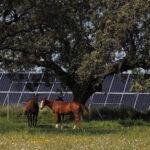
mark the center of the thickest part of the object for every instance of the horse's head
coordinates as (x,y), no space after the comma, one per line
(43,103)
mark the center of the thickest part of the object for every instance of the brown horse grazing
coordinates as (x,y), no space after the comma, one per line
(31,110)
(60,108)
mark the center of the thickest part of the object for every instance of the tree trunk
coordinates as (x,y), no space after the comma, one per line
(82,92)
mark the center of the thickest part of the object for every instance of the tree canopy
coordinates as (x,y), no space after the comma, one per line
(77,40)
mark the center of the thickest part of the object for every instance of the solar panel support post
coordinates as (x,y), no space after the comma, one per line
(124,90)
(137,96)
(149,108)
(64,93)
(23,90)
(8,107)
(109,90)
(5,101)
(1,76)
(89,108)
(99,113)
(95,107)
(39,85)
(51,89)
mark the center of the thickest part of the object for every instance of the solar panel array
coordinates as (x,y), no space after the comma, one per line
(21,86)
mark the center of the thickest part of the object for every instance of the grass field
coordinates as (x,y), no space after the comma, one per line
(94,135)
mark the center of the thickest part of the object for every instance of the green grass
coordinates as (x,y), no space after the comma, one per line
(93,135)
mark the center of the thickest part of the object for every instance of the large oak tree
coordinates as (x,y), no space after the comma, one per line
(75,39)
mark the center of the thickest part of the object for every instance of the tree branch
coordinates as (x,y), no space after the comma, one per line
(122,66)
(19,32)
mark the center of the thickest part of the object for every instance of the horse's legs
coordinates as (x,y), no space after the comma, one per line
(33,119)
(35,123)
(28,118)
(77,119)
(58,120)
(62,120)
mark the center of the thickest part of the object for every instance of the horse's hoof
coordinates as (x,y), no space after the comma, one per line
(56,126)
(74,127)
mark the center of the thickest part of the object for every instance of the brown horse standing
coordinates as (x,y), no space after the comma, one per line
(31,110)
(60,108)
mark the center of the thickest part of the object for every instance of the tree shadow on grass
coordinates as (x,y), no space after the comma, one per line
(44,126)
(132,122)
(20,127)
(81,131)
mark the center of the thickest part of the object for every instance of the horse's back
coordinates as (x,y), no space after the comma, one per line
(31,106)
(65,104)
(65,107)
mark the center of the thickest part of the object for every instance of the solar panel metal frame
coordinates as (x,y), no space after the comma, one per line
(51,92)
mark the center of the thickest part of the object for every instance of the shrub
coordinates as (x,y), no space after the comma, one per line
(118,113)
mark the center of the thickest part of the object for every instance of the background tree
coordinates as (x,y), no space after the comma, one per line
(75,39)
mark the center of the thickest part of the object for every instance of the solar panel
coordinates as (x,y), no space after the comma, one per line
(1,75)
(114,98)
(99,98)
(13,98)
(5,83)
(43,87)
(129,83)
(118,84)
(129,100)
(31,87)
(2,97)
(25,97)
(57,87)
(53,96)
(19,87)
(106,83)
(43,95)
(68,97)
(143,102)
